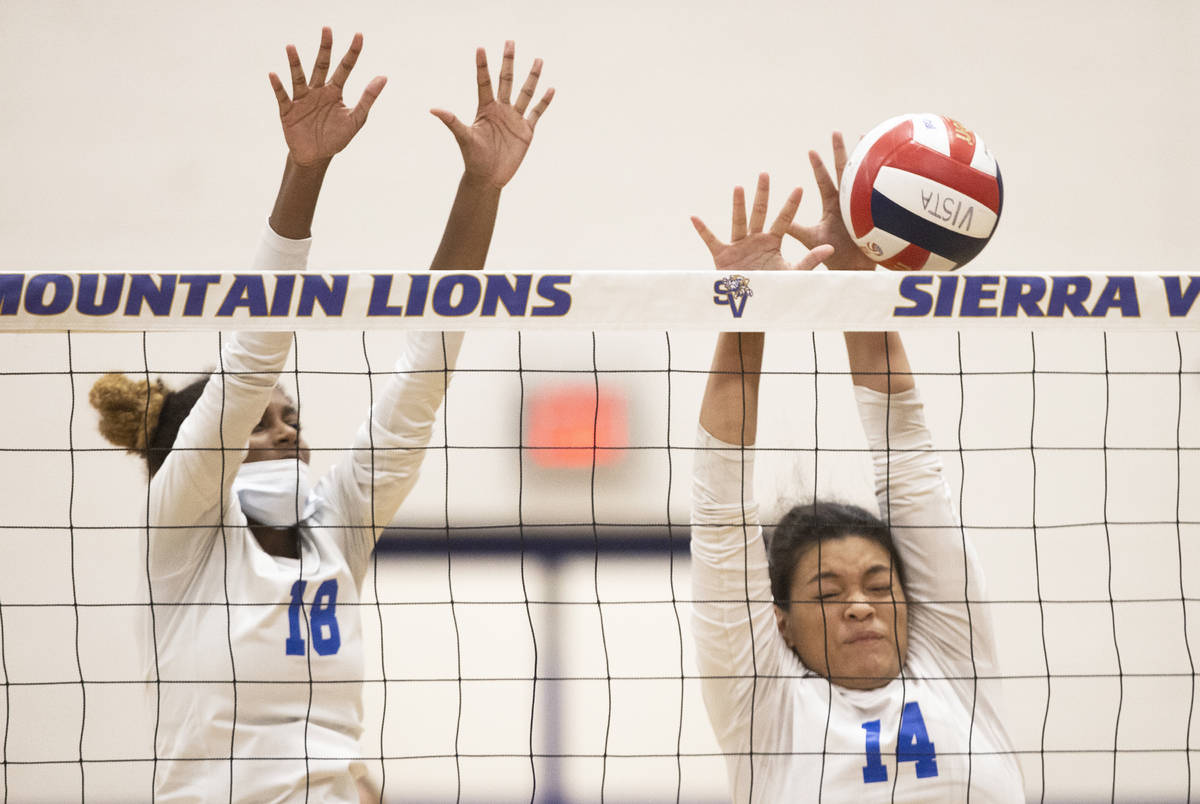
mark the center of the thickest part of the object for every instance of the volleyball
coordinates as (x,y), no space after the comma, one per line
(920,192)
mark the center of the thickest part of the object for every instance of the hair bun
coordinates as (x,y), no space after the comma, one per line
(129,409)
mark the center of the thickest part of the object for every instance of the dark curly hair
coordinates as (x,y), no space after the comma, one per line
(805,526)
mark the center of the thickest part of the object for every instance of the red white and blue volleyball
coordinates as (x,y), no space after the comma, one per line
(921,193)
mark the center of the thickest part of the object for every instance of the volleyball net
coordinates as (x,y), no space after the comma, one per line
(526,619)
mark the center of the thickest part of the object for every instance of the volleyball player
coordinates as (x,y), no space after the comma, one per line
(254,577)
(839,662)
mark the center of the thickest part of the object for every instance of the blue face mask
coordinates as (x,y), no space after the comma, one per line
(273,493)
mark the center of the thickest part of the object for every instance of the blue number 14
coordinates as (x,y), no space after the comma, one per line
(322,619)
(913,745)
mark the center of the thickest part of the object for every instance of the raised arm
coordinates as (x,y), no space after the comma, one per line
(878,362)
(733,616)
(910,487)
(729,410)
(492,149)
(316,126)
(942,567)
(370,484)
(196,476)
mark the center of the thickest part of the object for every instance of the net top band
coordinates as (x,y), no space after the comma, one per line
(597,300)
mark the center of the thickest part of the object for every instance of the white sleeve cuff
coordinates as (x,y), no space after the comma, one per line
(722,474)
(278,253)
(906,413)
(424,351)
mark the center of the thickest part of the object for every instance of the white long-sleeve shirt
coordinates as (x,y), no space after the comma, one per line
(789,734)
(259,658)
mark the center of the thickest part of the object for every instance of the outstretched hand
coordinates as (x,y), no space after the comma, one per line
(753,249)
(494,145)
(316,123)
(831,228)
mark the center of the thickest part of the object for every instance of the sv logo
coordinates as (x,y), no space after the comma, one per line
(733,290)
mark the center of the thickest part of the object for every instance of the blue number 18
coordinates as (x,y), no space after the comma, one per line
(322,619)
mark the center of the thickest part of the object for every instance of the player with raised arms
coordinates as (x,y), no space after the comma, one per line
(840,662)
(255,578)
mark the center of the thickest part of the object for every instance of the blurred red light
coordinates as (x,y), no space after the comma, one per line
(563,419)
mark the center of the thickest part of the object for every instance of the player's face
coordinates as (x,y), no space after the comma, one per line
(848,619)
(277,434)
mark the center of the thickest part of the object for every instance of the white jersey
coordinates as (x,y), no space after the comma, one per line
(259,658)
(932,734)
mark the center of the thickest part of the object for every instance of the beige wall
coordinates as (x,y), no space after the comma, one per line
(140,135)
